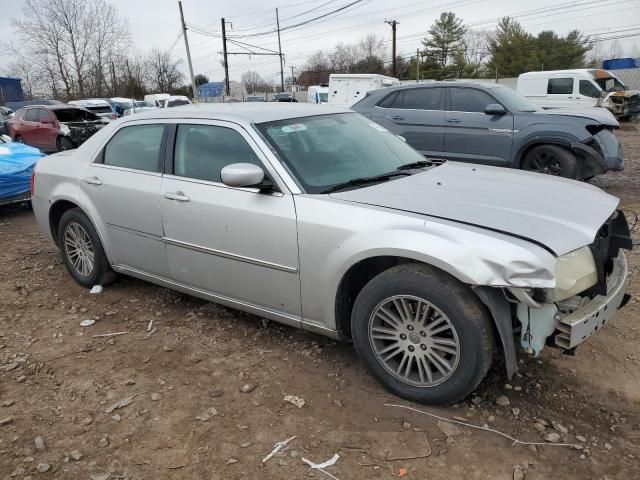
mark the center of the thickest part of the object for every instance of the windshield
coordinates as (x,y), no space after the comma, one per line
(74,115)
(177,103)
(514,101)
(324,97)
(611,84)
(327,150)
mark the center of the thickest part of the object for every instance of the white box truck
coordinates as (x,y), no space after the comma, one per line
(345,89)
(580,88)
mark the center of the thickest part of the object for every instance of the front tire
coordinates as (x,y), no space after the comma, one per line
(422,334)
(552,160)
(82,251)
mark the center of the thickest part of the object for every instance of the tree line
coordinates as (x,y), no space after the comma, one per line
(69,49)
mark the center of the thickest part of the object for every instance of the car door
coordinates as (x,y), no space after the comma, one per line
(123,185)
(560,92)
(237,244)
(417,114)
(47,129)
(587,93)
(472,135)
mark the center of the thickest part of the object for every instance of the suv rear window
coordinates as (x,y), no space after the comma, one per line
(560,86)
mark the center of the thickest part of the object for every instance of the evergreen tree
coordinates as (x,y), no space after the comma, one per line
(444,43)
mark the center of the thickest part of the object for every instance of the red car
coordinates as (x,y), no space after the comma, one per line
(54,128)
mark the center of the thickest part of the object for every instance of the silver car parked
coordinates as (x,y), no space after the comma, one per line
(319,218)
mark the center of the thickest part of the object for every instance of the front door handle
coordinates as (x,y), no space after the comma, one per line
(178,196)
(92,180)
(453,120)
(397,117)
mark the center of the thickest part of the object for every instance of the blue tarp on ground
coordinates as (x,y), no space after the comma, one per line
(16,164)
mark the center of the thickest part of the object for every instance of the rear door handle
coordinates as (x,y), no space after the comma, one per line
(397,117)
(178,196)
(453,120)
(92,180)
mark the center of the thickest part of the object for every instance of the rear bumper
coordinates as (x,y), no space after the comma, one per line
(579,322)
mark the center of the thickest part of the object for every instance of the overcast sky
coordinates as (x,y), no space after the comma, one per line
(156,23)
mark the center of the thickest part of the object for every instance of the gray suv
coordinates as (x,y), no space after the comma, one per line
(494,125)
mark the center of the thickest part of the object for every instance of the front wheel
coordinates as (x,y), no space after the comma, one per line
(552,160)
(422,334)
(82,251)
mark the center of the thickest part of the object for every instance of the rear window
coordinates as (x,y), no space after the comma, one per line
(75,115)
(560,86)
(177,103)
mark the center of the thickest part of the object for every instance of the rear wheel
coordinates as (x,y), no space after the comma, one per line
(422,334)
(82,251)
(552,160)
(64,143)
(18,139)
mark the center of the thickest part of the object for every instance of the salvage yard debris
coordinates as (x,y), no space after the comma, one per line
(105,335)
(277,447)
(294,400)
(121,403)
(321,466)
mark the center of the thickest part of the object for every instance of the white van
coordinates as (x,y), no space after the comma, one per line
(345,89)
(175,101)
(579,88)
(318,94)
(157,99)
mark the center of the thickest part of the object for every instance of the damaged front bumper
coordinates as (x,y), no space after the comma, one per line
(599,154)
(624,104)
(572,321)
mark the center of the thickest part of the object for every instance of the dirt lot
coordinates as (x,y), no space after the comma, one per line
(207,386)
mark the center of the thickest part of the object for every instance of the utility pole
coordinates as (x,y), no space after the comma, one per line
(292,82)
(280,50)
(225,61)
(417,65)
(393,24)
(186,44)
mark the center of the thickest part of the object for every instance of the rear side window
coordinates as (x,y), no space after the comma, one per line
(31,115)
(136,147)
(202,151)
(423,98)
(387,102)
(560,86)
(588,89)
(470,100)
(44,115)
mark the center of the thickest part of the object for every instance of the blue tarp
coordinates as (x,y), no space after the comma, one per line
(211,89)
(16,164)
(621,63)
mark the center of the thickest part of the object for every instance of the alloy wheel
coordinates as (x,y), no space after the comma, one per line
(414,341)
(545,162)
(79,249)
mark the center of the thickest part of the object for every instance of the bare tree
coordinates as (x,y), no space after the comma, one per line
(162,71)
(253,82)
(372,46)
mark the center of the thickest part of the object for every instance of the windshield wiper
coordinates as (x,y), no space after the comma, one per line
(363,181)
(420,164)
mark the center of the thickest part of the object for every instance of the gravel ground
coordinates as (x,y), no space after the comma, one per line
(202,397)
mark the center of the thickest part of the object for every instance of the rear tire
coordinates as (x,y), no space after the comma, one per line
(552,160)
(82,251)
(18,139)
(64,143)
(442,336)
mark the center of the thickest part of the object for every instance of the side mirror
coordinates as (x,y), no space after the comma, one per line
(242,175)
(494,109)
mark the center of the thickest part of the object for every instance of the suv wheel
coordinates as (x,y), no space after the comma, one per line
(552,160)
(64,143)
(422,334)
(82,251)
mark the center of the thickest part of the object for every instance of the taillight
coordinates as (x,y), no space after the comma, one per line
(33,181)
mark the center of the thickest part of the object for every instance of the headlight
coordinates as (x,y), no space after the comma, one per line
(575,272)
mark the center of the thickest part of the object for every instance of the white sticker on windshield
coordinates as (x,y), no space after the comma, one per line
(378,127)
(296,127)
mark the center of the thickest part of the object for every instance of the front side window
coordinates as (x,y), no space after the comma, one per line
(327,150)
(202,151)
(470,100)
(137,147)
(560,86)
(588,89)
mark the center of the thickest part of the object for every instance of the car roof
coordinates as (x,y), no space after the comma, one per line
(255,112)
(53,107)
(445,83)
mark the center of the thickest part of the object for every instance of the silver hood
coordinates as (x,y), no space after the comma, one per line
(597,114)
(560,214)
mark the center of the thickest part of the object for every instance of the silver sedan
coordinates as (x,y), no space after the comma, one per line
(318,218)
